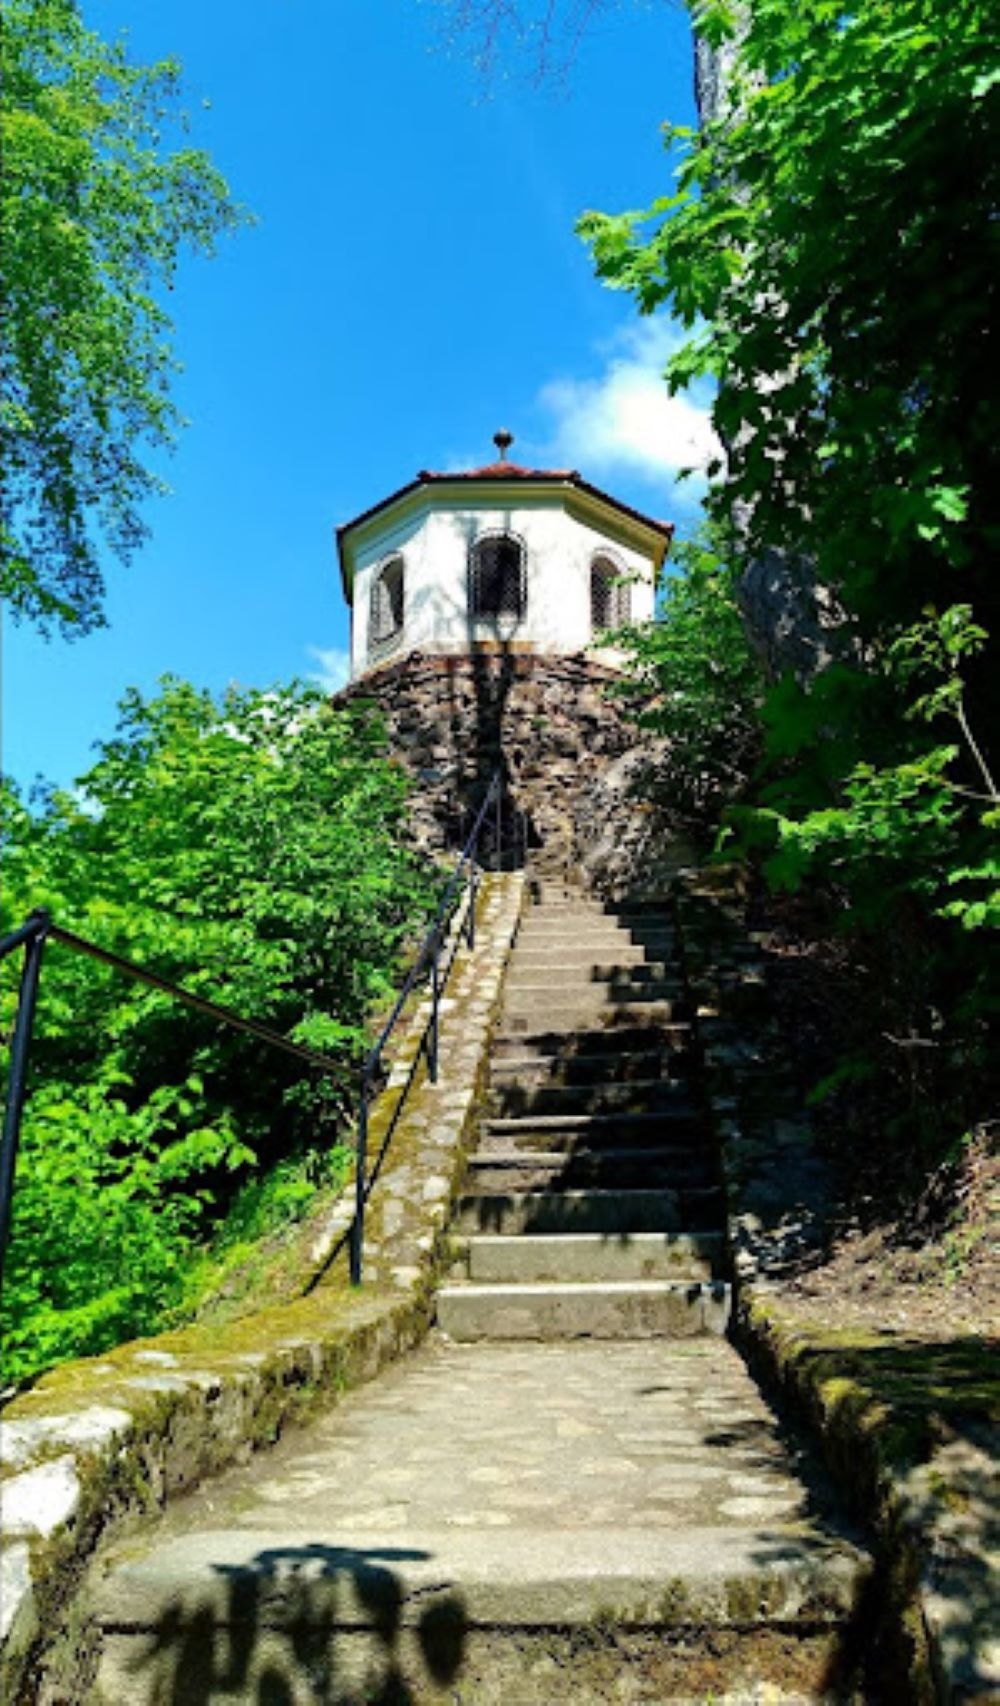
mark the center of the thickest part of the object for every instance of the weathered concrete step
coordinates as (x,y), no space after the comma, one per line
(594,907)
(567,952)
(570,919)
(623,1169)
(586,1071)
(522,1259)
(662,975)
(590,908)
(518,1099)
(531,1012)
(618,1213)
(630,983)
(606,939)
(610,1309)
(510,1617)
(584,918)
(585,994)
(677,1123)
(585,1043)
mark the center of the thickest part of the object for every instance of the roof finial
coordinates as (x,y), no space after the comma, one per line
(503,441)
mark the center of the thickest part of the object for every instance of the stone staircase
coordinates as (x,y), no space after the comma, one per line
(571,1492)
(594,1208)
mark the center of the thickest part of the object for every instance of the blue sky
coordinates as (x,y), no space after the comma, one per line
(413,283)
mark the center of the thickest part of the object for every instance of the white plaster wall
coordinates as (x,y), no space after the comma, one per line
(435,547)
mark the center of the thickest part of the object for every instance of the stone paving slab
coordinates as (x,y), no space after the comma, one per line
(499,1525)
(568,1437)
(523,1577)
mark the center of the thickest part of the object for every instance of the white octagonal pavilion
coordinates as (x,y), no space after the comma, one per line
(531,560)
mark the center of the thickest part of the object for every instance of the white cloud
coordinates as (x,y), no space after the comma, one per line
(334,669)
(623,418)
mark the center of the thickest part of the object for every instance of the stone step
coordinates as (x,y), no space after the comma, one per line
(550,899)
(659,974)
(529,1012)
(522,1616)
(607,939)
(611,1309)
(518,1099)
(518,1259)
(568,914)
(584,1071)
(644,982)
(593,908)
(564,1047)
(662,1129)
(514,1169)
(587,918)
(618,1213)
(568,953)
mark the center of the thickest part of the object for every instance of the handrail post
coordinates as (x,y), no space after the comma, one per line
(448,918)
(432,1033)
(34,947)
(360,1163)
(470,928)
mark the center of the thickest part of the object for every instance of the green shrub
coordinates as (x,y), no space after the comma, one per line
(252,849)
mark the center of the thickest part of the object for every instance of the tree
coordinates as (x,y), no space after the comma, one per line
(549,33)
(255,851)
(835,234)
(97,206)
(692,678)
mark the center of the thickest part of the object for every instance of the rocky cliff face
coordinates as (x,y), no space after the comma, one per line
(578,776)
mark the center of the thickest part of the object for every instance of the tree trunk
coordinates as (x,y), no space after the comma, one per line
(792,623)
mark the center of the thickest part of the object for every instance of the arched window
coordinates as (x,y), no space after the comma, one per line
(610,603)
(386,608)
(497,580)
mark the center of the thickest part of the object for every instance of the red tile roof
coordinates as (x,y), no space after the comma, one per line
(496,471)
(503,471)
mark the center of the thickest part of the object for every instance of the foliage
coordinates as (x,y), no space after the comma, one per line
(693,679)
(109,1197)
(832,245)
(97,206)
(912,827)
(835,231)
(251,849)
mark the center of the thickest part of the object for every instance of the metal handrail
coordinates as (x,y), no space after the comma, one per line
(40,927)
(33,935)
(464,882)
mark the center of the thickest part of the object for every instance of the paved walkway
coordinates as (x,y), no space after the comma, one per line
(501,1525)
(560,1436)
(579,1494)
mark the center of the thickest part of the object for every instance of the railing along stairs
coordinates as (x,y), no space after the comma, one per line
(454,922)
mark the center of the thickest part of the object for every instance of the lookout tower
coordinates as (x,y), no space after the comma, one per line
(481,603)
(533,561)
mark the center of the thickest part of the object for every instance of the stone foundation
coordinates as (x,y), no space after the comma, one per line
(579,777)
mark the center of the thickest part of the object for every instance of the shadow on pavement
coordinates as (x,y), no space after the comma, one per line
(327,1624)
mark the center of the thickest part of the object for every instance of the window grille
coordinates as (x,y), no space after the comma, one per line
(386,608)
(610,596)
(497,580)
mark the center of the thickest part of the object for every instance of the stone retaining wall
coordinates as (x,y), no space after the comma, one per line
(931,1516)
(100,1444)
(579,775)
